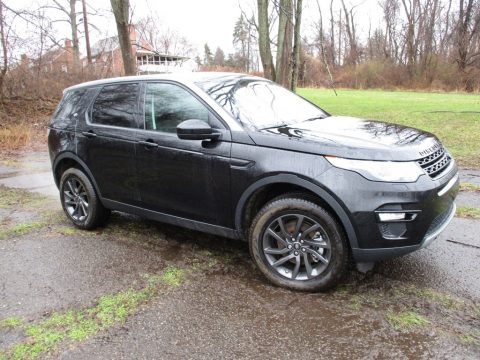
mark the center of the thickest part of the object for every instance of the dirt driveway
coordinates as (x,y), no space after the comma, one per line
(139,289)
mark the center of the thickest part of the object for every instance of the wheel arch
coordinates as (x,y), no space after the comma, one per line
(299,184)
(68,159)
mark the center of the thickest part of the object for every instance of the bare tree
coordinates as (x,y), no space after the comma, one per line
(468,26)
(286,69)
(120,10)
(87,33)
(264,40)
(332,34)
(284,42)
(411,8)
(69,10)
(296,45)
(352,37)
(4,66)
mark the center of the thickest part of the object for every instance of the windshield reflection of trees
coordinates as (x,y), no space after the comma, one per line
(223,90)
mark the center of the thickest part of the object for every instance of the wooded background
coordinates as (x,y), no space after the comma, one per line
(419,44)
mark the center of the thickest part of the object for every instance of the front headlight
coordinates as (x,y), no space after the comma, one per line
(389,171)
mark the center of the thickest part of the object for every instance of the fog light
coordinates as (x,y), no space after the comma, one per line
(396,216)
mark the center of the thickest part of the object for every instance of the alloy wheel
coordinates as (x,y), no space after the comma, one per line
(75,199)
(297,247)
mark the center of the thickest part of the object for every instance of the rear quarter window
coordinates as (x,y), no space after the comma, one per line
(67,106)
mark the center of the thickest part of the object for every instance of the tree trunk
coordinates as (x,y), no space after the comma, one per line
(3,69)
(120,10)
(284,43)
(410,40)
(87,36)
(332,34)
(463,41)
(264,40)
(73,25)
(350,29)
(296,45)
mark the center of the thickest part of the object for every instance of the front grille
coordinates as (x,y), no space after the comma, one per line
(435,163)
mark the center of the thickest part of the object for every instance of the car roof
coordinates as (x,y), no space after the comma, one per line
(181,77)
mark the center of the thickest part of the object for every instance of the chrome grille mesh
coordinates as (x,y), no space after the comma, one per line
(435,163)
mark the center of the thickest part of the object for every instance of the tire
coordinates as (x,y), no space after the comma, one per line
(80,201)
(282,255)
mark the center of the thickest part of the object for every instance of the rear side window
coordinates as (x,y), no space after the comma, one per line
(68,104)
(116,105)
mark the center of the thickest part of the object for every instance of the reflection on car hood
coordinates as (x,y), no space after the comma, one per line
(352,138)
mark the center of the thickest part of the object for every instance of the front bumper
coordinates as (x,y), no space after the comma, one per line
(372,255)
(428,204)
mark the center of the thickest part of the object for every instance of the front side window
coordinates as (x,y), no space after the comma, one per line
(167,105)
(115,105)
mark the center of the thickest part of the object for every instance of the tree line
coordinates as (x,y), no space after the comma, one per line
(430,44)
(419,43)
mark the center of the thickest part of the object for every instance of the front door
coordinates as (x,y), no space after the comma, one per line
(184,178)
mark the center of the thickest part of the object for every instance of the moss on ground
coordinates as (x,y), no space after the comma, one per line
(469,187)
(405,320)
(468,212)
(10,198)
(11,322)
(75,325)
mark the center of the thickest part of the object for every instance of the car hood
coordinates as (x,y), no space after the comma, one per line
(351,138)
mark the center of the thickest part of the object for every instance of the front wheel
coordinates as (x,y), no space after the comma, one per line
(80,201)
(297,244)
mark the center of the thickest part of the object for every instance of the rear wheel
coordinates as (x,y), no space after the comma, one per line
(80,201)
(297,244)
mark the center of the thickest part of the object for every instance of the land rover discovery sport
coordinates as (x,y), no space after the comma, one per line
(242,157)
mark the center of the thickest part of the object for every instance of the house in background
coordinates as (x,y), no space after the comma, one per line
(56,60)
(107,57)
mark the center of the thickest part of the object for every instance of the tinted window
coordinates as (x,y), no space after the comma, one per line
(167,105)
(68,104)
(115,105)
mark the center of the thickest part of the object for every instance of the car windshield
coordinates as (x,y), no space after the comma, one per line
(260,104)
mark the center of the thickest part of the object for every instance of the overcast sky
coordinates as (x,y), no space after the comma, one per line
(200,21)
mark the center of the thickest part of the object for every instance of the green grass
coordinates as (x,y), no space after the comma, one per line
(468,212)
(453,117)
(405,320)
(77,325)
(21,229)
(173,276)
(10,197)
(11,322)
(469,187)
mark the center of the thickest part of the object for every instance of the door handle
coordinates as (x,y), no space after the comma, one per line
(89,134)
(148,143)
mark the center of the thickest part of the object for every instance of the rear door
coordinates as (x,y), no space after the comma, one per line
(185,178)
(106,140)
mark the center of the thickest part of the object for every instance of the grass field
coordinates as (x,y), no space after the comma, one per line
(454,118)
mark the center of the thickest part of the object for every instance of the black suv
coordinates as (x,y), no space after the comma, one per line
(242,157)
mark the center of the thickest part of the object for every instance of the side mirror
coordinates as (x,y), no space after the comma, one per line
(196,130)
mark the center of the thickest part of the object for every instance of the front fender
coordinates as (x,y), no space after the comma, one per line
(298,181)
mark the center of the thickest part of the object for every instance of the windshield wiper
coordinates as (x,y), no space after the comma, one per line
(274,126)
(315,118)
